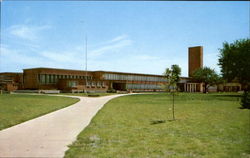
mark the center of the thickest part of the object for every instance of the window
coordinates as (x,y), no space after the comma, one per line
(98,84)
(42,79)
(143,86)
(56,78)
(72,83)
(47,79)
(88,83)
(53,78)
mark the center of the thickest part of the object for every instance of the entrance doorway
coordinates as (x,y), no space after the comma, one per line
(119,86)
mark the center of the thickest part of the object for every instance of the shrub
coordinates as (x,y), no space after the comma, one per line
(245,100)
(111,90)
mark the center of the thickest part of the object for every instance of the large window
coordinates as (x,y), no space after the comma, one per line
(144,86)
(72,83)
(42,79)
(53,79)
(88,83)
(133,77)
(98,84)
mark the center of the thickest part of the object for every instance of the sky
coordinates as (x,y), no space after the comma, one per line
(123,36)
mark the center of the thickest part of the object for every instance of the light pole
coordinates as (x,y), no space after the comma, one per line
(86,60)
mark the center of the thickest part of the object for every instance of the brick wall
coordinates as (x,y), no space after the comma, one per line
(195,59)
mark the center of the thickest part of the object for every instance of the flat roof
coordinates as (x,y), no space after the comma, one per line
(40,68)
(11,73)
(101,71)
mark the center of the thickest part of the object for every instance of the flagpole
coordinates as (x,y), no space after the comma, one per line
(86,61)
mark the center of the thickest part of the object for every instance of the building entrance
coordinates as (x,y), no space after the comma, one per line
(119,86)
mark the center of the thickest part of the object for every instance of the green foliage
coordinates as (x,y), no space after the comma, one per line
(245,100)
(173,77)
(176,70)
(234,61)
(123,128)
(111,90)
(206,75)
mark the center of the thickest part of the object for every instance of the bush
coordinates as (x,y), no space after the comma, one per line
(111,90)
(245,100)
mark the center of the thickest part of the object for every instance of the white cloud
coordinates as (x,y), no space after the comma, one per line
(58,56)
(146,57)
(118,38)
(16,57)
(111,45)
(27,32)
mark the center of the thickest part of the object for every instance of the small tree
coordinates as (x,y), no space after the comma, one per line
(173,76)
(206,75)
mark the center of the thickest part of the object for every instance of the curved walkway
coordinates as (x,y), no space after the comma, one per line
(49,135)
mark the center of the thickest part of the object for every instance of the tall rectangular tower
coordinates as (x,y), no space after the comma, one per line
(195,59)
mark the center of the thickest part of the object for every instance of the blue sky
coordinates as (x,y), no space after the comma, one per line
(132,36)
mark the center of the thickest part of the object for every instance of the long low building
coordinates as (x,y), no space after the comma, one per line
(98,81)
(103,81)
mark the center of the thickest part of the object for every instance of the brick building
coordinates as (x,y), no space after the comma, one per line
(102,81)
(98,81)
(11,81)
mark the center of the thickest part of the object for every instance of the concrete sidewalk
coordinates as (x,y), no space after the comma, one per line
(49,135)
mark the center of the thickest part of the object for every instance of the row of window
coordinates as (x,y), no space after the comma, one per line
(133,78)
(143,86)
(98,84)
(92,84)
(52,78)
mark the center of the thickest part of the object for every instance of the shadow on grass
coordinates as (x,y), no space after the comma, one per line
(243,108)
(229,95)
(153,122)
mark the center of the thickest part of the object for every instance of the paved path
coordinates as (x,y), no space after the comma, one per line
(49,135)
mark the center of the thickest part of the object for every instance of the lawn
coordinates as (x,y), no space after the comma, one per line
(84,94)
(17,108)
(207,125)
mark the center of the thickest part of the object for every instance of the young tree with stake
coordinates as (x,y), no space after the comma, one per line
(173,76)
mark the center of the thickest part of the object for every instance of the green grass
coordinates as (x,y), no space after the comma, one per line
(207,126)
(17,108)
(84,94)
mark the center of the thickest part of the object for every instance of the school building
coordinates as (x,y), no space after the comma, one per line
(102,81)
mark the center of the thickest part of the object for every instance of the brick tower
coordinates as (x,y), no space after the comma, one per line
(195,59)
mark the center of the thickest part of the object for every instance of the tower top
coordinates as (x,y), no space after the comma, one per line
(195,59)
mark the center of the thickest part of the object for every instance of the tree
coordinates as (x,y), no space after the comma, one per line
(207,76)
(173,76)
(234,62)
